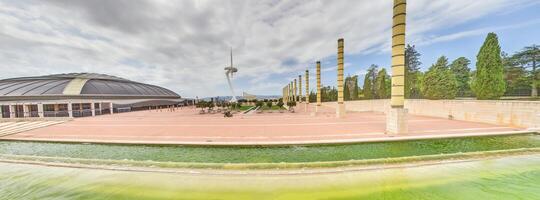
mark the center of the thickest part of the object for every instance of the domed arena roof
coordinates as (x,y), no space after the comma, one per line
(81,85)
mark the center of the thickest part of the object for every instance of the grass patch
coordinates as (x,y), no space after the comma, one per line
(274,107)
(244,108)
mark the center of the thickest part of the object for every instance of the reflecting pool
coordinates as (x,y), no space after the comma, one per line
(271,154)
(512,177)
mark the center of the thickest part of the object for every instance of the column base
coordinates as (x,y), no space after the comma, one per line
(340,110)
(396,121)
(317,108)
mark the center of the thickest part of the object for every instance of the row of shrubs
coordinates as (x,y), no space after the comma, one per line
(268,103)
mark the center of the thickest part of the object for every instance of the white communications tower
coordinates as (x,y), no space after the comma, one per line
(229,72)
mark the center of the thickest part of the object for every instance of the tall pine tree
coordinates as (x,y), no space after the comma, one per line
(488,81)
(529,57)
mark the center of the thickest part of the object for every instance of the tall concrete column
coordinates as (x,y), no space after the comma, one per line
(396,119)
(70,109)
(291,98)
(319,90)
(295,90)
(26,111)
(93,108)
(300,88)
(12,110)
(288,92)
(286,99)
(283,94)
(307,87)
(111,106)
(340,110)
(40,110)
(1,111)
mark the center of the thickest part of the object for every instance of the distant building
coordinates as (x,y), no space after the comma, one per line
(78,95)
(248,97)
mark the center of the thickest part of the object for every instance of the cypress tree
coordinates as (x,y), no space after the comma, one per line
(369,82)
(381,83)
(460,68)
(367,88)
(439,82)
(346,93)
(488,81)
(354,94)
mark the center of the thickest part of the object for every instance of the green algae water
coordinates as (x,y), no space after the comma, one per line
(514,177)
(272,154)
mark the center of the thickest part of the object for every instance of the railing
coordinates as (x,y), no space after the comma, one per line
(82,113)
(56,113)
(121,110)
(33,114)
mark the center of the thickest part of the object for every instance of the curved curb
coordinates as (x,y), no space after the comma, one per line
(386,138)
(227,168)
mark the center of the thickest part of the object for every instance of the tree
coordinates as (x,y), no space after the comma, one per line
(354,81)
(312,97)
(259,104)
(369,82)
(350,89)
(488,81)
(518,82)
(439,82)
(460,68)
(346,92)
(412,72)
(529,57)
(388,85)
(381,84)
(269,104)
(328,94)
(280,104)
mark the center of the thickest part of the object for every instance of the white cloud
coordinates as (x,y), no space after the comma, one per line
(184,45)
(468,33)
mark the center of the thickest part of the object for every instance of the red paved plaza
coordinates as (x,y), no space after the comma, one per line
(187,126)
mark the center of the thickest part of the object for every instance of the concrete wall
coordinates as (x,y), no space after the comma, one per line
(514,113)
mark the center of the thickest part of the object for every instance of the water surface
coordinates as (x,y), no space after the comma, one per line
(515,177)
(208,154)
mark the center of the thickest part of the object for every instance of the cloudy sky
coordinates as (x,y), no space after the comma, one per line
(184,45)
